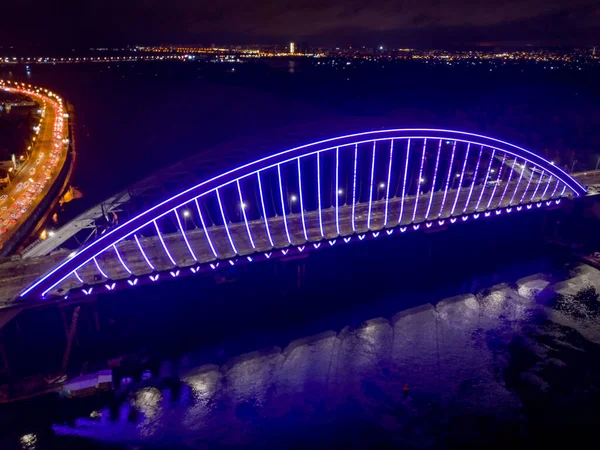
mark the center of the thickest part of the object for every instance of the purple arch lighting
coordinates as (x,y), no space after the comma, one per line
(129,228)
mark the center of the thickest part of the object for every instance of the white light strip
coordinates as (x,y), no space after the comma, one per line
(301,202)
(225,222)
(487,176)
(437,161)
(243,208)
(518,183)
(371,186)
(527,186)
(460,181)
(447,180)
(78,277)
(497,183)
(414,216)
(287,232)
(354,187)
(212,248)
(387,187)
(163,243)
(319,194)
(538,186)
(99,269)
(512,170)
(546,188)
(143,252)
(262,202)
(187,243)
(555,187)
(404,183)
(121,260)
(337,190)
(474,179)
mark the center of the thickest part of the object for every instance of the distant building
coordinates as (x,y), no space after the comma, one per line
(292,47)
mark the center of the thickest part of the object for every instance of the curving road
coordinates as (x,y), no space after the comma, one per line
(33,180)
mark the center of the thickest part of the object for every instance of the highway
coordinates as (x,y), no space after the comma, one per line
(48,154)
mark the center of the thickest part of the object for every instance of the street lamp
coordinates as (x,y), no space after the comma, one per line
(186,213)
(380,186)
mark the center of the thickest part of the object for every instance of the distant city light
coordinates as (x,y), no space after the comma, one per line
(381,185)
(340,192)
(293,198)
(186,213)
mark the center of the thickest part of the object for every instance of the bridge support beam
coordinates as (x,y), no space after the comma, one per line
(70,336)
(301,279)
(5,363)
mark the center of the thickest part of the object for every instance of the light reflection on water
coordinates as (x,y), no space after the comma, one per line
(459,358)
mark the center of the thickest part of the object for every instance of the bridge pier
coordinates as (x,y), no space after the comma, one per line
(5,363)
(301,277)
(67,324)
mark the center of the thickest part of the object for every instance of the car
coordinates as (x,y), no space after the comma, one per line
(3,197)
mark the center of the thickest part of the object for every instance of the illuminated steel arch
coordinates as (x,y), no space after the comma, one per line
(332,191)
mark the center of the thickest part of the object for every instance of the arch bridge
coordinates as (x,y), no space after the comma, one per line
(332,192)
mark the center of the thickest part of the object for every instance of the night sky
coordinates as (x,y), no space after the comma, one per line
(416,23)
